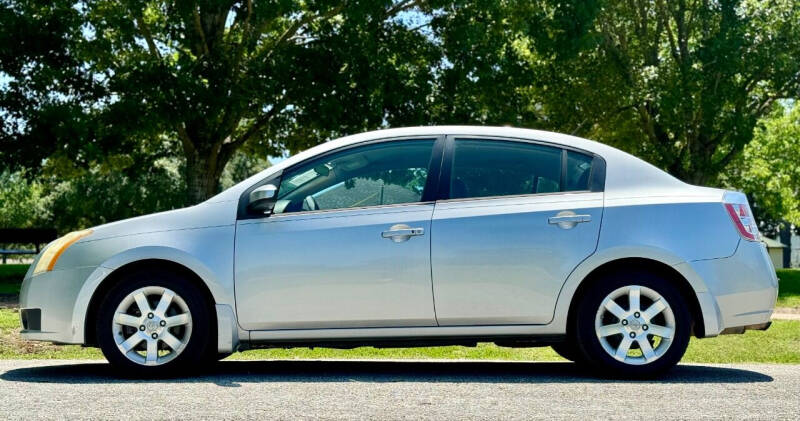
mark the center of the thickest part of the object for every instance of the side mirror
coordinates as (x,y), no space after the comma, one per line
(263,198)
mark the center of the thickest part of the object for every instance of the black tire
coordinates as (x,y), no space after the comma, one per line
(590,346)
(569,351)
(197,352)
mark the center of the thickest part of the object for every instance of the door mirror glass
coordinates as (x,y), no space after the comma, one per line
(263,198)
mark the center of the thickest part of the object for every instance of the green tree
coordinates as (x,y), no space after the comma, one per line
(118,187)
(66,196)
(88,76)
(769,169)
(20,201)
(679,83)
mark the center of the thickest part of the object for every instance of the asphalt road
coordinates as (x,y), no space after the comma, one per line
(396,390)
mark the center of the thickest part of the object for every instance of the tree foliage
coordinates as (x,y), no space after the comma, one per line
(215,75)
(679,83)
(20,201)
(769,169)
(67,197)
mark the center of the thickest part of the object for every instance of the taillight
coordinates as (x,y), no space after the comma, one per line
(743,220)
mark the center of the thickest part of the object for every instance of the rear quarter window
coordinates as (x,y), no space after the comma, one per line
(579,171)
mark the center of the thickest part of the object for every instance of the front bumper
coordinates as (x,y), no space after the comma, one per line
(741,290)
(47,305)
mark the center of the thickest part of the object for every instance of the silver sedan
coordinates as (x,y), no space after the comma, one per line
(416,237)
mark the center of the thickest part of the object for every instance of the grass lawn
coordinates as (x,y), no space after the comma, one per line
(780,344)
(11,278)
(789,288)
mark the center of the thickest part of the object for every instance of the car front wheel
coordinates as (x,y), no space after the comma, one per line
(153,323)
(569,351)
(633,325)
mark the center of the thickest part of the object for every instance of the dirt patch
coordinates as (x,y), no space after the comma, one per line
(785,316)
(12,343)
(13,346)
(787,310)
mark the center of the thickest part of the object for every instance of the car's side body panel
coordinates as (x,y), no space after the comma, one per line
(337,264)
(204,251)
(691,230)
(740,289)
(202,243)
(500,261)
(57,293)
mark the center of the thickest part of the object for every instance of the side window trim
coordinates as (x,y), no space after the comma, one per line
(563,182)
(596,176)
(443,186)
(434,169)
(430,192)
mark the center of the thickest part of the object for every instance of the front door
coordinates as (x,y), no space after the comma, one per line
(518,218)
(348,244)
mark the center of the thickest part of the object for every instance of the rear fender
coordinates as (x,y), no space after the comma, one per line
(580,274)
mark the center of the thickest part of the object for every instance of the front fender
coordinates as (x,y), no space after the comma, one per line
(106,268)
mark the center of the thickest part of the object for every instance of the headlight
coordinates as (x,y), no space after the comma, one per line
(53,250)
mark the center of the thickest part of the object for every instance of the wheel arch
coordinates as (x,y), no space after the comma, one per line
(113,278)
(649,264)
(111,270)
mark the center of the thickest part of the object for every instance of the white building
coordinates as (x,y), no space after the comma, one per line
(775,250)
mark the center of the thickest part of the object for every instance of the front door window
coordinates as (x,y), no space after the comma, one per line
(373,175)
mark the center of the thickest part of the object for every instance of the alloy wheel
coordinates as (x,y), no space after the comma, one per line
(635,325)
(152,326)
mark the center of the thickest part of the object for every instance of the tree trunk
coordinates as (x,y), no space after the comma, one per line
(696,177)
(203,171)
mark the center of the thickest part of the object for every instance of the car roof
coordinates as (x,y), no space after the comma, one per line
(625,173)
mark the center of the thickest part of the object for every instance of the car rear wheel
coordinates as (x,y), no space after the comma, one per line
(153,323)
(633,325)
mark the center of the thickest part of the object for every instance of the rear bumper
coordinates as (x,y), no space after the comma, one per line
(740,290)
(742,329)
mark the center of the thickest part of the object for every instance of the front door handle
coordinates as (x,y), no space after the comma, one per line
(401,232)
(568,219)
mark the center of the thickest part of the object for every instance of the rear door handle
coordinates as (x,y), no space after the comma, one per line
(401,232)
(568,219)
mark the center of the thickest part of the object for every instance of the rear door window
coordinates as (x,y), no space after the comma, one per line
(484,168)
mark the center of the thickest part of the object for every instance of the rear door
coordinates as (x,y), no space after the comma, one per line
(513,220)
